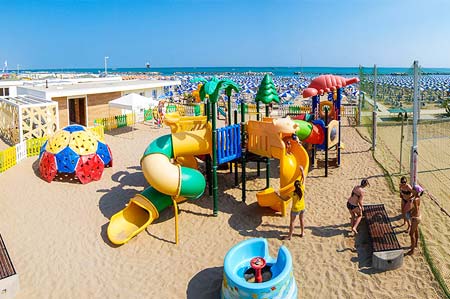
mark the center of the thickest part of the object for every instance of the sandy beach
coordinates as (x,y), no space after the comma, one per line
(56,233)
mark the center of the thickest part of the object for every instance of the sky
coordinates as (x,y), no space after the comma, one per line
(56,34)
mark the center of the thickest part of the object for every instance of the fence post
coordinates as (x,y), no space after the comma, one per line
(374,113)
(414,153)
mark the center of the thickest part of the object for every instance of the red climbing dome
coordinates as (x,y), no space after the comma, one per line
(47,166)
(90,168)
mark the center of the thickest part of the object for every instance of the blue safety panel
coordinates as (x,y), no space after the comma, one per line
(67,160)
(321,123)
(104,153)
(228,143)
(74,128)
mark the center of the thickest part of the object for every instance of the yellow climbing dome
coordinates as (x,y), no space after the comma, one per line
(83,142)
(58,142)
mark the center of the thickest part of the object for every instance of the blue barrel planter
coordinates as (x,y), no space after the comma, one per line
(278,283)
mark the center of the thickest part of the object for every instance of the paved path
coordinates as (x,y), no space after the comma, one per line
(384,111)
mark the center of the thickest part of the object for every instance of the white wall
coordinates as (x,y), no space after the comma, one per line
(12,90)
(148,93)
(32,92)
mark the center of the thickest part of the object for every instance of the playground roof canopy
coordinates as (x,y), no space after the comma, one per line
(26,100)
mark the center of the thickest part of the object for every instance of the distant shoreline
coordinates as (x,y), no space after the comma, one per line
(275,71)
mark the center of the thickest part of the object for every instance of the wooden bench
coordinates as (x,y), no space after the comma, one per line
(9,280)
(387,252)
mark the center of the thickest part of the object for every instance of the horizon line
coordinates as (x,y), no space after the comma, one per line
(163,67)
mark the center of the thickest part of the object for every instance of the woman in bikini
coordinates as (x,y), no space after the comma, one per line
(355,204)
(406,194)
(416,217)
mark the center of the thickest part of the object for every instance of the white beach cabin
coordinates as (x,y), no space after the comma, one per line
(135,103)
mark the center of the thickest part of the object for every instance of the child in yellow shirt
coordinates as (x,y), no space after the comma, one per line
(298,206)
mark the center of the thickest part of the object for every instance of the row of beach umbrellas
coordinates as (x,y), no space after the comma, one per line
(290,88)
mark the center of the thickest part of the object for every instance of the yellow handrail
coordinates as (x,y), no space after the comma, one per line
(175,208)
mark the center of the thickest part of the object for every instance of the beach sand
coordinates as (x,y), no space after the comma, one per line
(56,233)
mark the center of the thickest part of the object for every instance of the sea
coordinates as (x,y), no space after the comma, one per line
(276,71)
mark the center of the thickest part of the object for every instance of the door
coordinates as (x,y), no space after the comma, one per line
(77,111)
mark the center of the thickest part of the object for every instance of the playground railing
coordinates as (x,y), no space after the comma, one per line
(8,158)
(148,114)
(350,111)
(284,110)
(98,131)
(117,121)
(249,109)
(186,110)
(228,143)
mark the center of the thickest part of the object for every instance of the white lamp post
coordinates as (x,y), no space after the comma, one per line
(106,67)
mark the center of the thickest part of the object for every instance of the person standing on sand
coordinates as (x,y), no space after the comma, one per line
(406,194)
(298,205)
(355,204)
(416,217)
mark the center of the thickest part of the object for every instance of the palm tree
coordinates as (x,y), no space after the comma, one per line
(267,93)
(211,89)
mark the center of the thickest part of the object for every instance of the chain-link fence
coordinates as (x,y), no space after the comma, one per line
(394,139)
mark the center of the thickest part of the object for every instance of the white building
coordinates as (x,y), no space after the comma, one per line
(82,101)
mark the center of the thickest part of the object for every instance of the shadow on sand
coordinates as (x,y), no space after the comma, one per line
(206,284)
(114,199)
(245,218)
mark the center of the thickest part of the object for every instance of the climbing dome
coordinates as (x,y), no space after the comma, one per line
(76,151)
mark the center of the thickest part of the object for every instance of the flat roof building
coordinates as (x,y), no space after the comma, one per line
(82,102)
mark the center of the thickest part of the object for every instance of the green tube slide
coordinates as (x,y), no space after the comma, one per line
(192,183)
(161,145)
(144,208)
(160,200)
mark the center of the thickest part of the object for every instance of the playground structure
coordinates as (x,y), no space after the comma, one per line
(170,183)
(74,151)
(170,163)
(329,111)
(250,272)
(266,139)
